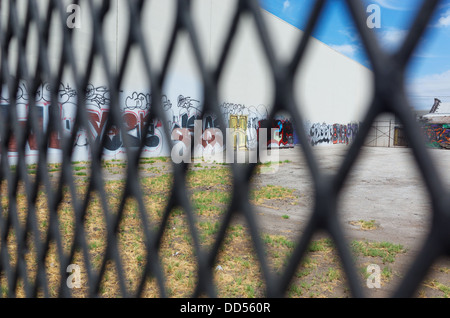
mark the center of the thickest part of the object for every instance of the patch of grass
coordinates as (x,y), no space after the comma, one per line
(115,163)
(153,170)
(4,291)
(271,192)
(204,178)
(250,290)
(147,161)
(434,284)
(278,241)
(54,166)
(94,245)
(210,202)
(269,163)
(365,225)
(295,291)
(178,275)
(386,273)
(285,216)
(333,274)
(385,250)
(158,184)
(208,230)
(320,245)
(303,272)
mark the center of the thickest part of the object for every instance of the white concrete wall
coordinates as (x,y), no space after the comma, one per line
(330,88)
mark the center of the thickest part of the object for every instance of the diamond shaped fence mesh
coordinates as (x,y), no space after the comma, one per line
(38,209)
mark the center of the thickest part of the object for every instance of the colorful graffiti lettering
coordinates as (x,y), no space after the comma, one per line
(139,129)
(42,106)
(438,135)
(254,115)
(282,133)
(322,133)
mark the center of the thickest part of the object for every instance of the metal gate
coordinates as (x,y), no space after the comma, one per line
(387,133)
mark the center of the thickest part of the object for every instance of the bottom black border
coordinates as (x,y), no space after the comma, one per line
(219,306)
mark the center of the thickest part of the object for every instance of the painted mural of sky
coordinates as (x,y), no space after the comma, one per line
(428,75)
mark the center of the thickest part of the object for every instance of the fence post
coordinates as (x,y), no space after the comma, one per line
(389,139)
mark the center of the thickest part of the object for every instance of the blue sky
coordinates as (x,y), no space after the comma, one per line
(428,74)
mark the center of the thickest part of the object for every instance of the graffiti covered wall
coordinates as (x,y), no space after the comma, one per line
(248,120)
(438,135)
(331,87)
(181,115)
(325,134)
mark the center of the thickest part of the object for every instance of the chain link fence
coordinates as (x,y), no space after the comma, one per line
(32,246)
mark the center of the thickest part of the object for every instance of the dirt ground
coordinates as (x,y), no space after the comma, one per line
(384,185)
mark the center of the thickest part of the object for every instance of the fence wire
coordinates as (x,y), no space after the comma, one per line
(19,233)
